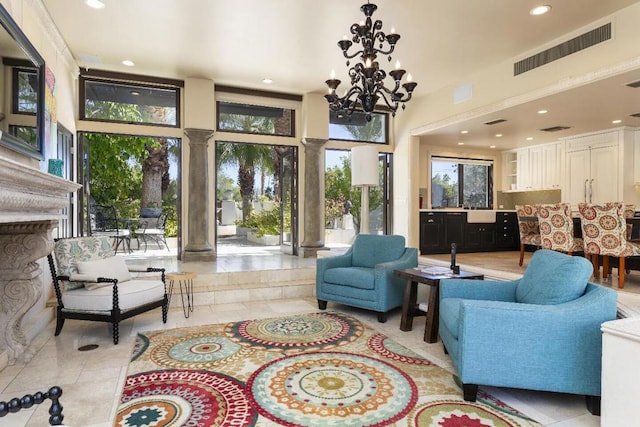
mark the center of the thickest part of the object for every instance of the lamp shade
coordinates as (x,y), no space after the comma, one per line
(364,166)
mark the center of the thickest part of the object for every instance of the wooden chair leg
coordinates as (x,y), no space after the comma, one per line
(621,272)
(605,266)
(521,254)
(595,261)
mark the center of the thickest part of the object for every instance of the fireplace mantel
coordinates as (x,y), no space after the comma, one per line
(30,208)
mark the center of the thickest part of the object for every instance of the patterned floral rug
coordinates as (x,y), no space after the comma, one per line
(320,369)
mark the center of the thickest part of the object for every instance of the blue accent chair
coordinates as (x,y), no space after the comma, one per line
(363,277)
(540,332)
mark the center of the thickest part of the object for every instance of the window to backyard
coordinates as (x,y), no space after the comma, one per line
(461,183)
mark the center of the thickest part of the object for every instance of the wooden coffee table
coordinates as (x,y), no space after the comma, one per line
(410,306)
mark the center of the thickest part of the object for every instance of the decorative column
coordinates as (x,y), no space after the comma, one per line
(21,246)
(198,247)
(30,208)
(313,198)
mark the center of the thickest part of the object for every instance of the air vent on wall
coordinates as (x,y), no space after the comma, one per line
(635,115)
(574,45)
(555,128)
(495,122)
(634,84)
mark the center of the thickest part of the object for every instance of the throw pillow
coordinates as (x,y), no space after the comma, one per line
(553,278)
(113,267)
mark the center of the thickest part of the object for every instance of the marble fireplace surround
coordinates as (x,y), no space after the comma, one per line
(30,208)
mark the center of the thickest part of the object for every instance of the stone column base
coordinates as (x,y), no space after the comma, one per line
(307,252)
(195,256)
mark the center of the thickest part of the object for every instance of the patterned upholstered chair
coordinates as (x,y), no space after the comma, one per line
(556,228)
(363,277)
(529,228)
(604,230)
(91,283)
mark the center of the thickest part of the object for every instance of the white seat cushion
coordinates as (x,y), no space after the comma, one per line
(131,294)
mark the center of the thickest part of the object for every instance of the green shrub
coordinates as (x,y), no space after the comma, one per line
(265,222)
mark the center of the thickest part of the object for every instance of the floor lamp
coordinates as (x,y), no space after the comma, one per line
(364,174)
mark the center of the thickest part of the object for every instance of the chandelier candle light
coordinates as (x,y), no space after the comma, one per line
(367,78)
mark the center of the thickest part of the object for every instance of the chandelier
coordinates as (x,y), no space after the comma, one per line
(367,78)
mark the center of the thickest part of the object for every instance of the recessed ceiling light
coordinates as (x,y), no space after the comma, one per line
(128,63)
(540,10)
(267,81)
(460,143)
(96,4)
(542,111)
(615,122)
(492,146)
(464,131)
(529,138)
(498,135)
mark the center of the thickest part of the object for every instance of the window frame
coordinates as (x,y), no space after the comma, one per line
(15,90)
(386,132)
(132,80)
(461,161)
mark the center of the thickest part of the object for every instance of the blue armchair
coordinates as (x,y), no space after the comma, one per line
(540,332)
(363,277)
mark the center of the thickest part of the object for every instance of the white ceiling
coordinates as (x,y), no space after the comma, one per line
(293,42)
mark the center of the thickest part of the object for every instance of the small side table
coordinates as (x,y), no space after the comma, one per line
(410,307)
(184,279)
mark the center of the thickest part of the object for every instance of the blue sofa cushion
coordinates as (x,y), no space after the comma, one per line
(372,249)
(355,277)
(553,278)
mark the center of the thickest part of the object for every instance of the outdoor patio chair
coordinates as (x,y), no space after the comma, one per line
(153,229)
(91,283)
(105,222)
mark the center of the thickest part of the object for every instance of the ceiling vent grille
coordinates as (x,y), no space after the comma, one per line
(495,122)
(574,45)
(555,128)
(635,84)
(635,115)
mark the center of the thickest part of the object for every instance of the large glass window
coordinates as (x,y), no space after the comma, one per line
(355,127)
(263,120)
(130,103)
(461,183)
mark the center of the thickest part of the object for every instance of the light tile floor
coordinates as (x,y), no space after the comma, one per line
(92,380)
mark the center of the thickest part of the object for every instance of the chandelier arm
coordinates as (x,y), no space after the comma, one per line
(358,53)
(393,105)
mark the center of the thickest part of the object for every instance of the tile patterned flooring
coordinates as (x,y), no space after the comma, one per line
(92,380)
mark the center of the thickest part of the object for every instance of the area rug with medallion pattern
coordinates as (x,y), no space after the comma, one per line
(318,369)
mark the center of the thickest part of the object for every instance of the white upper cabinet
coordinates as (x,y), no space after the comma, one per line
(536,168)
(599,167)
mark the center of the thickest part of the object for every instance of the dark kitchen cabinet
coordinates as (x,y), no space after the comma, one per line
(439,229)
(480,237)
(507,234)
(431,232)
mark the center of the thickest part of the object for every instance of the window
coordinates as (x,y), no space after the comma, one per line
(145,100)
(263,120)
(355,127)
(461,183)
(25,83)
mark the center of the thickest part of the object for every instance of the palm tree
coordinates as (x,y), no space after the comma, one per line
(247,156)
